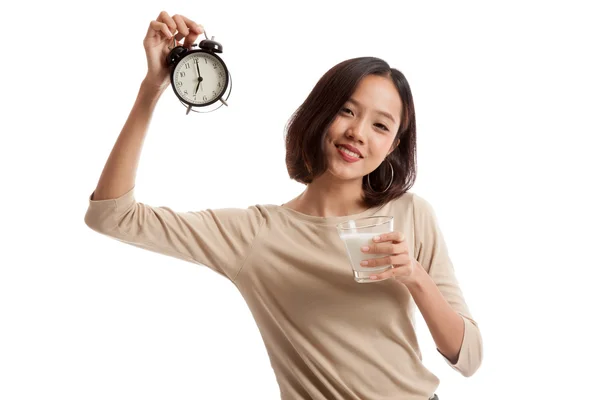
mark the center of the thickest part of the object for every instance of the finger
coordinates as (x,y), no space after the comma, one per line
(186,28)
(391,273)
(193,35)
(192,25)
(181,26)
(165,18)
(162,28)
(395,237)
(381,248)
(379,277)
(396,260)
(401,248)
(191,38)
(195,30)
(376,262)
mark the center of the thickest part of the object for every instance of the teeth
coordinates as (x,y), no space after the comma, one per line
(350,153)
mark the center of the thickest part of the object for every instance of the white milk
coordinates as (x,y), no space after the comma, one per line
(353,242)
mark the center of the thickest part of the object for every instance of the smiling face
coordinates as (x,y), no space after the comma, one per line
(368,122)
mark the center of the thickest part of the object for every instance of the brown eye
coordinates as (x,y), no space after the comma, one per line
(381,126)
(346,110)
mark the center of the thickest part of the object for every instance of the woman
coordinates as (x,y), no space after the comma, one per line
(352,142)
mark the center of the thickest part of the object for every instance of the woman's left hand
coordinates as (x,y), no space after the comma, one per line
(393,245)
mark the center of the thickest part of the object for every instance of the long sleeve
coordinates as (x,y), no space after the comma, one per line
(220,239)
(431,251)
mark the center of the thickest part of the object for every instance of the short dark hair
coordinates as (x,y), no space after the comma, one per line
(306,130)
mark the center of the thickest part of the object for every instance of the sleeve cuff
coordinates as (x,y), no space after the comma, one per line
(470,354)
(119,203)
(104,215)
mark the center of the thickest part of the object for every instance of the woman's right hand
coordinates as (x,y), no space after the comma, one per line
(158,40)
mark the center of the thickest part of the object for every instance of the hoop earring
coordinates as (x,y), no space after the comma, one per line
(391,180)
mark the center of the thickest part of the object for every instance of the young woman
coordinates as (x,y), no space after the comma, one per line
(352,142)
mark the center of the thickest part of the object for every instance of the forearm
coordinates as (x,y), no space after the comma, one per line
(119,173)
(445,324)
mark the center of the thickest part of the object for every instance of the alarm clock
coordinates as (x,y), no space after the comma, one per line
(199,77)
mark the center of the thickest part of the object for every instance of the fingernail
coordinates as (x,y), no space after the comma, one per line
(364,263)
(365,248)
(373,277)
(376,238)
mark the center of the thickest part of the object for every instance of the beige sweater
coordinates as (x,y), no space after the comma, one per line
(327,336)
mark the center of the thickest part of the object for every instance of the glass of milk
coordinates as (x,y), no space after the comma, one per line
(360,232)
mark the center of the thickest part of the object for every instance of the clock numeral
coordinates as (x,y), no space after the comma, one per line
(179,83)
(214,93)
(181,74)
(205,61)
(185,91)
(204,98)
(221,73)
(187,65)
(215,65)
(219,84)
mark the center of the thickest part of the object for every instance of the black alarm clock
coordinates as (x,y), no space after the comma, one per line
(199,77)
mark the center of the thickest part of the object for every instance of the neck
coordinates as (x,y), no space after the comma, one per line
(324,198)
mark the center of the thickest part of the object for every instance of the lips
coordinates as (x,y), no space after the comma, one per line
(342,151)
(351,148)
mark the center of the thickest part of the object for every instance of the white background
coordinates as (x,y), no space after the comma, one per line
(507,100)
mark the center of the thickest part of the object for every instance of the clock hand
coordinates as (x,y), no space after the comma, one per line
(199,76)
(197,86)
(198,69)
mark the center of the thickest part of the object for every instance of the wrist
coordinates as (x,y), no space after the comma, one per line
(419,276)
(151,87)
(150,92)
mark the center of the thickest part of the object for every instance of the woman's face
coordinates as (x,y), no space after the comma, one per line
(368,121)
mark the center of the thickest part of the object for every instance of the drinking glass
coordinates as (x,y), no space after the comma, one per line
(360,232)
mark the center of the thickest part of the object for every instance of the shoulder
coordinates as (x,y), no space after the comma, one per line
(260,212)
(420,204)
(415,206)
(266,212)
(413,201)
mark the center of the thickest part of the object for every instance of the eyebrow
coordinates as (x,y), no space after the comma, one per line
(385,114)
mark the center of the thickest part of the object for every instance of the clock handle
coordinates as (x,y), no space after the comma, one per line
(175,42)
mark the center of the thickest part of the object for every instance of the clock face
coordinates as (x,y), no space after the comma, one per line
(200,78)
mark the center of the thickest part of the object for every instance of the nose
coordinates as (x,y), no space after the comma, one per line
(357,130)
